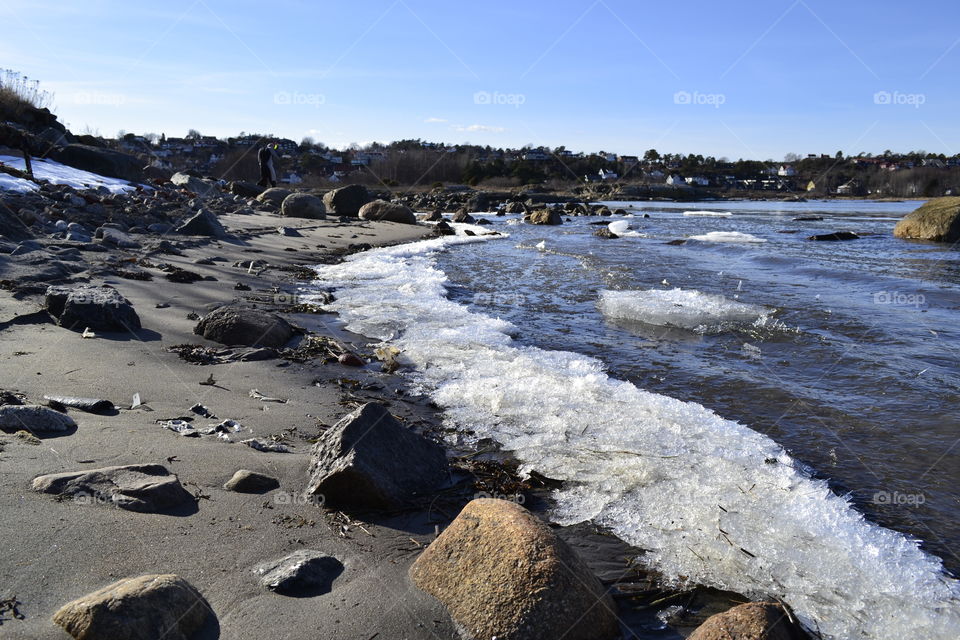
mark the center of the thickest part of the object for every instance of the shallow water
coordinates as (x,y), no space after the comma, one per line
(847,359)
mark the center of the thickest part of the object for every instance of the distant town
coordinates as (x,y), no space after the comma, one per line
(417,162)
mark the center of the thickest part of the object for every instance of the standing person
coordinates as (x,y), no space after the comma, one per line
(268,171)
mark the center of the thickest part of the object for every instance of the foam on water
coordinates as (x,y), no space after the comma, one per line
(727,236)
(708,214)
(712,501)
(681,308)
(57,173)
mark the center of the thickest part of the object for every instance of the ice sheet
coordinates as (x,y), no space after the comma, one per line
(57,173)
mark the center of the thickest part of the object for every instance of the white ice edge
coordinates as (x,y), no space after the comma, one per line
(682,308)
(57,173)
(727,236)
(663,474)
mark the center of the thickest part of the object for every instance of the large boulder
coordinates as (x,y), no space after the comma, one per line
(235,325)
(143,608)
(274,196)
(199,186)
(204,223)
(97,308)
(502,573)
(369,460)
(147,488)
(937,220)
(387,212)
(303,205)
(35,419)
(464,217)
(751,621)
(105,162)
(545,216)
(346,201)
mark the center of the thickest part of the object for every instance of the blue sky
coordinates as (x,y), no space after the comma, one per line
(734,79)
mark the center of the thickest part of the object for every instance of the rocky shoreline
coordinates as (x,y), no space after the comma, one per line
(193,448)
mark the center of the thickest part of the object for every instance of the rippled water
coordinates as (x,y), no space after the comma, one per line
(644,374)
(860,380)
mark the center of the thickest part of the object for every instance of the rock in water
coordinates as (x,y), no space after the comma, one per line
(303,205)
(144,608)
(274,195)
(198,186)
(368,459)
(246,481)
(545,216)
(346,201)
(205,223)
(233,325)
(99,308)
(751,621)
(836,236)
(464,217)
(502,573)
(303,570)
(387,212)
(34,418)
(147,488)
(937,220)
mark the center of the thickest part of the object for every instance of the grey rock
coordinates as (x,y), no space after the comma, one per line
(35,419)
(116,238)
(246,481)
(346,201)
(303,205)
(147,488)
(836,236)
(235,325)
(198,186)
(204,223)
(159,227)
(368,459)
(545,216)
(245,189)
(301,571)
(99,308)
(105,162)
(387,212)
(266,446)
(464,217)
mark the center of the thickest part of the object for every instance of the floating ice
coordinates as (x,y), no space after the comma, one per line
(708,214)
(681,308)
(622,228)
(57,173)
(712,501)
(727,236)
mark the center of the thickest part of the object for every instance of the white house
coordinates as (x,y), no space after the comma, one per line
(698,181)
(786,171)
(607,175)
(676,180)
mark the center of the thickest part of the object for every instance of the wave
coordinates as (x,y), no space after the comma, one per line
(710,500)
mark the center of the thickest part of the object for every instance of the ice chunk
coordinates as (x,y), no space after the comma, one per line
(681,308)
(663,474)
(727,236)
(708,214)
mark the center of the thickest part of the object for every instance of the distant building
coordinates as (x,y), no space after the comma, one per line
(607,175)
(811,186)
(786,171)
(698,181)
(676,180)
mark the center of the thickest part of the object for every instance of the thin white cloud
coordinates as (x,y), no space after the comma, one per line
(435,120)
(478,127)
